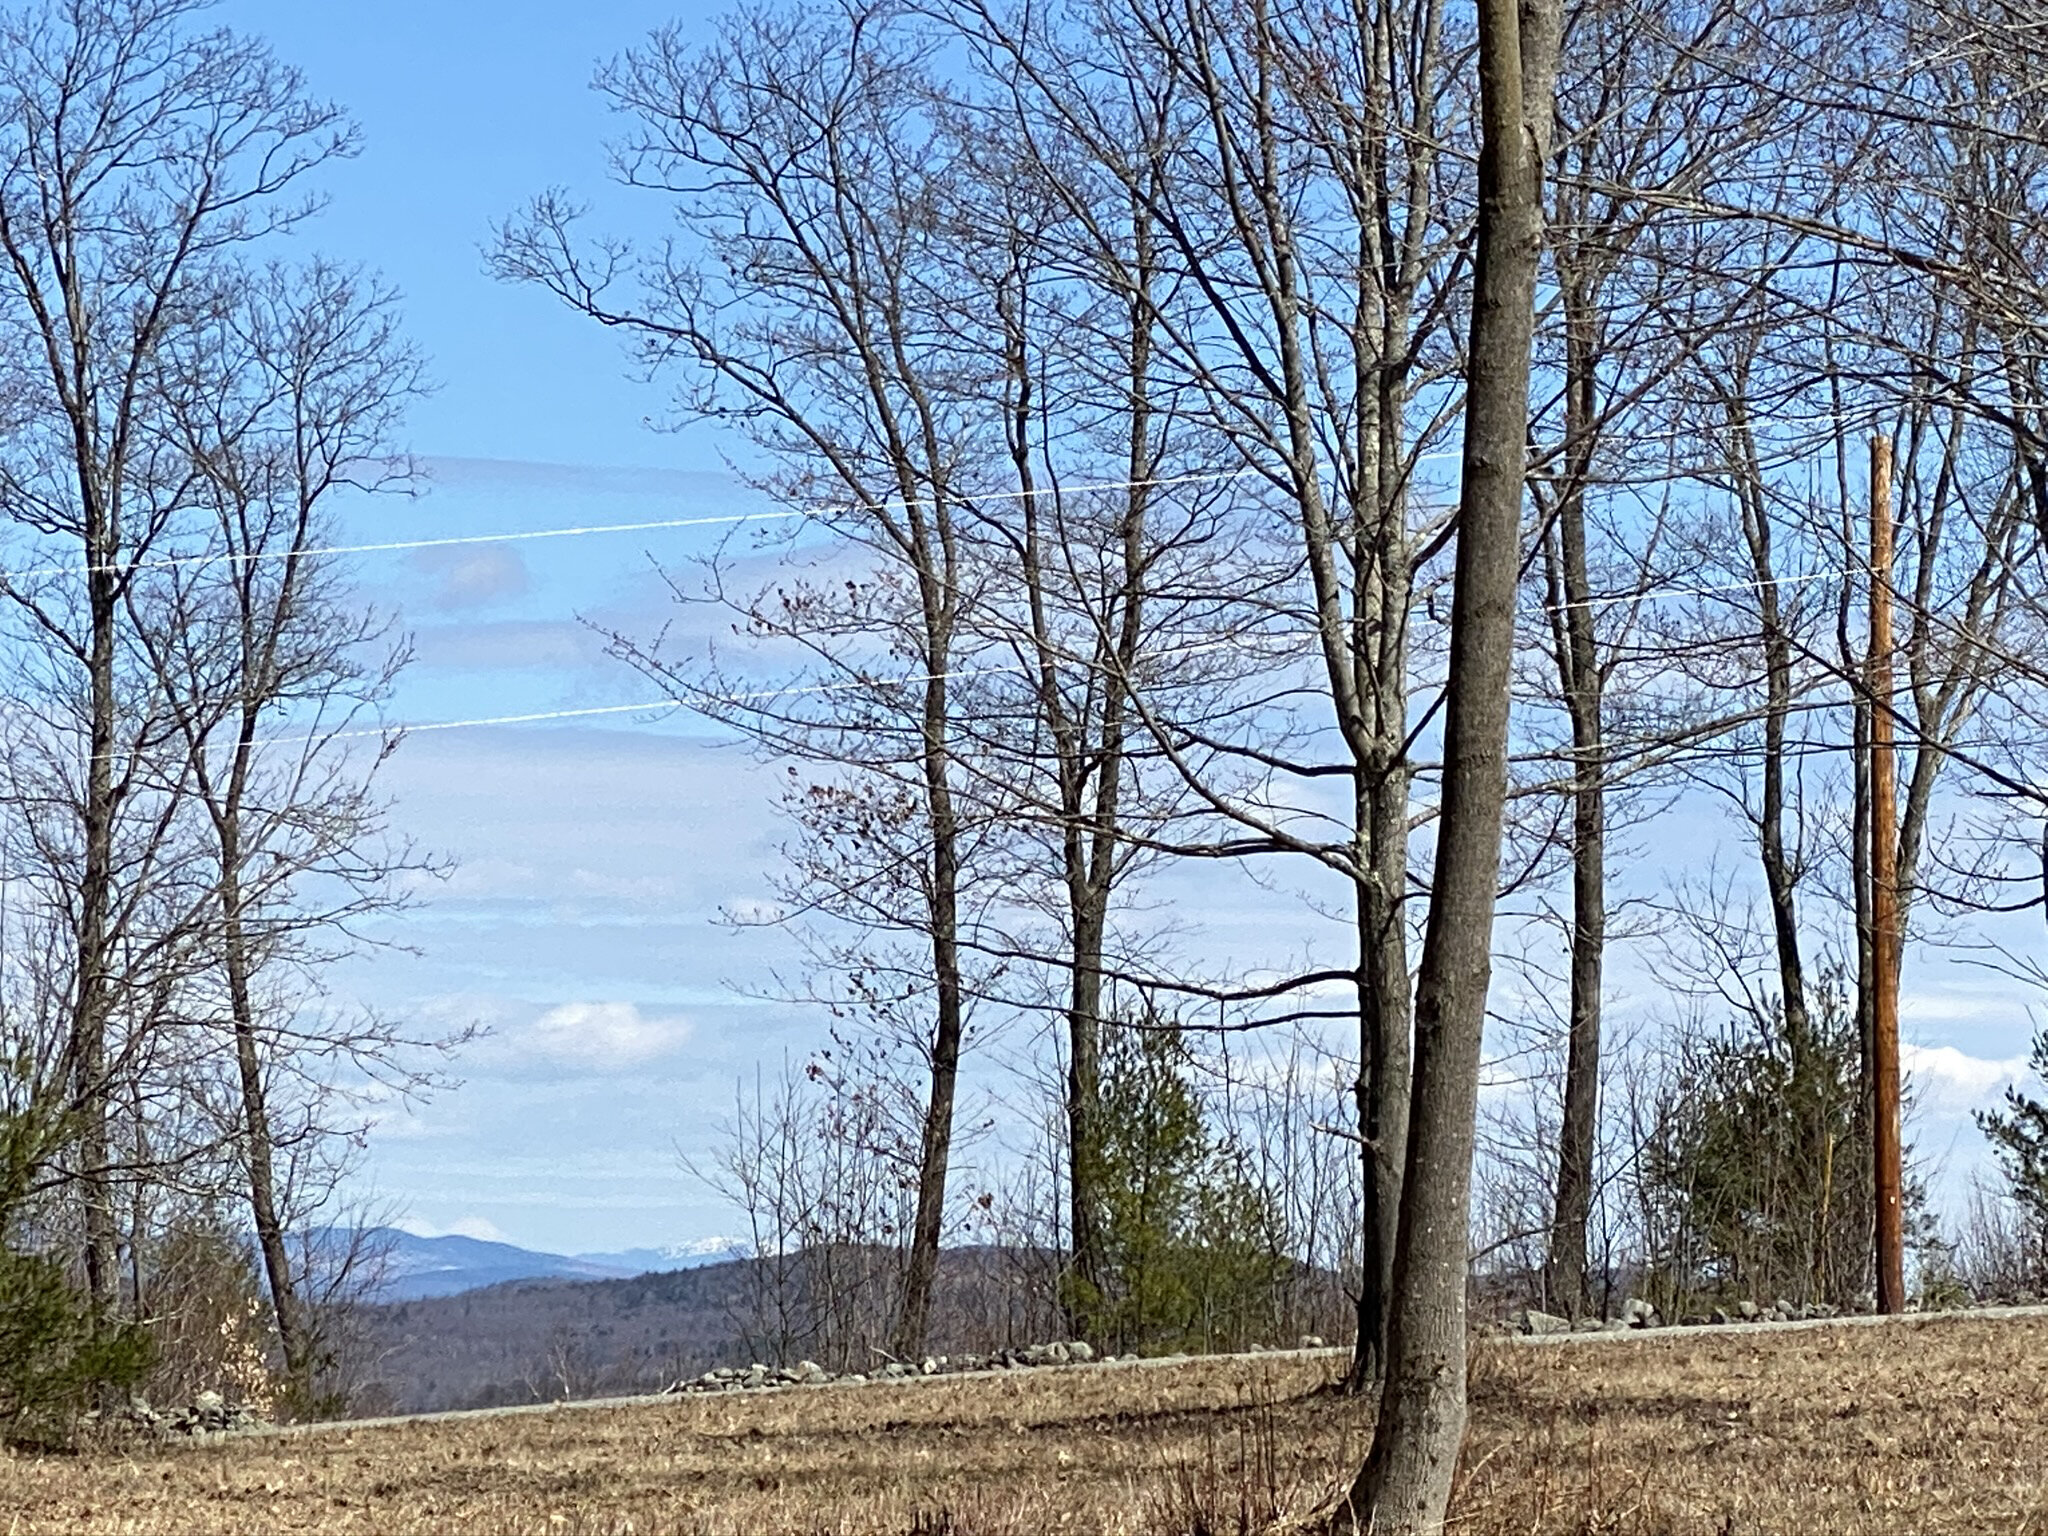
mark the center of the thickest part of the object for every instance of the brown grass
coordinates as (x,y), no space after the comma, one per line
(1932,1428)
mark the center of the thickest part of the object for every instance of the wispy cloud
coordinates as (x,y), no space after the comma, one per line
(473,576)
(511,644)
(599,1036)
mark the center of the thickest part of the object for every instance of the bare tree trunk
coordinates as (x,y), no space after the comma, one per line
(93,978)
(1385,1021)
(1405,1485)
(1781,875)
(936,1150)
(1580,673)
(258,1145)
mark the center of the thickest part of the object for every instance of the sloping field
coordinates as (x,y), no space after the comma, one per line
(1920,1428)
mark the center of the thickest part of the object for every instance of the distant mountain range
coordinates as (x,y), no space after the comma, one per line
(422,1267)
(534,1340)
(555,1334)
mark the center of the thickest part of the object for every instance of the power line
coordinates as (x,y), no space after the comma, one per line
(821,510)
(1715,591)
(766,695)
(702,703)
(829,509)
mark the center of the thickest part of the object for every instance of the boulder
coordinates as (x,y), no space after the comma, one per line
(1748,1311)
(1310,1341)
(1640,1313)
(1535,1322)
(1079,1353)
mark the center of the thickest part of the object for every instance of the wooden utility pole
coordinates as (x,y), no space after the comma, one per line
(1884,900)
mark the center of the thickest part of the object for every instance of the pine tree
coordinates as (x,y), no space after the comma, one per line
(1191,1248)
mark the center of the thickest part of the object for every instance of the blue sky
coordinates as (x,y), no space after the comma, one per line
(591,862)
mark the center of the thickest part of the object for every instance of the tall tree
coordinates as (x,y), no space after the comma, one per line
(136,155)
(804,159)
(1405,1485)
(1293,162)
(268,666)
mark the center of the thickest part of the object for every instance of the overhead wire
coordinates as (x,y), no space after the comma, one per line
(820,510)
(669,705)
(703,701)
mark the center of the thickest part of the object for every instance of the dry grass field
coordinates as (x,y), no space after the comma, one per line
(1935,1427)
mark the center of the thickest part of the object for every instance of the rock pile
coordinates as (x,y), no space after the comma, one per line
(207,1414)
(809,1373)
(1637,1313)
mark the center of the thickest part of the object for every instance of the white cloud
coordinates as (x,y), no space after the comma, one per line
(1953,1007)
(1946,1081)
(628,888)
(510,644)
(400,1121)
(481,1228)
(456,1011)
(482,877)
(601,1036)
(473,576)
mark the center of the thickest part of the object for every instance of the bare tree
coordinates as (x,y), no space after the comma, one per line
(1300,167)
(811,302)
(1405,1485)
(136,155)
(269,666)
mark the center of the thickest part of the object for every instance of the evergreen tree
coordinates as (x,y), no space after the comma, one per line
(56,1356)
(1192,1251)
(1758,1182)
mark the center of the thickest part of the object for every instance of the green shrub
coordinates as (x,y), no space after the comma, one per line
(56,1358)
(53,1360)
(1192,1251)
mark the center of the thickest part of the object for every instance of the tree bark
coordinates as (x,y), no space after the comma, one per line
(94,975)
(936,1149)
(1405,1485)
(1581,675)
(1385,1022)
(259,1149)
